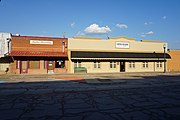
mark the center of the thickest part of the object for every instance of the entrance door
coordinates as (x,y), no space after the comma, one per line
(122,66)
(50,67)
(23,67)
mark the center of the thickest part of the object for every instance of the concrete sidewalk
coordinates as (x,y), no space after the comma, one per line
(89,78)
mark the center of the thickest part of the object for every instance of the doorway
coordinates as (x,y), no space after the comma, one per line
(122,66)
(50,67)
(23,67)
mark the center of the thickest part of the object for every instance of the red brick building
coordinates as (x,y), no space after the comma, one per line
(38,55)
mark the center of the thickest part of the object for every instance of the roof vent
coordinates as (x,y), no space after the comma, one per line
(17,34)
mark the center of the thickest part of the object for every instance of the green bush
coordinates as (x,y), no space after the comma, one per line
(80,70)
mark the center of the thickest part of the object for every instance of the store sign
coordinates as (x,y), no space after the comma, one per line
(122,44)
(41,42)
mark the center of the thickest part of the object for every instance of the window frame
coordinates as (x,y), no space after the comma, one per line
(159,65)
(97,65)
(77,64)
(112,64)
(145,65)
(60,62)
(18,64)
(132,64)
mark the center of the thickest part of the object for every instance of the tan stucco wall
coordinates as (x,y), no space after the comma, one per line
(105,67)
(3,67)
(109,45)
(174,63)
(152,67)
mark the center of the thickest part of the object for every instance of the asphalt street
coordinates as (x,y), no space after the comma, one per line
(105,98)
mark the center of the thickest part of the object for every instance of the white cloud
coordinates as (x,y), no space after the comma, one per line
(95,29)
(121,25)
(164,17)
(148,23)
(72,24)
(147,34)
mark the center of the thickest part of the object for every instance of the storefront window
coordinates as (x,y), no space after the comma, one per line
(17,64)
(34,64)
(45,64)
(112,64)
(77,64)
(97,65)
(131,64)
(60,64)
(159,65)
(145,64)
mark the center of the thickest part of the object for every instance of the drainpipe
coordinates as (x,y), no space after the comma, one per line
(164,46)
(63,46)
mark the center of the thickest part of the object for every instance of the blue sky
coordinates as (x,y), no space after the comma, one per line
(140,19)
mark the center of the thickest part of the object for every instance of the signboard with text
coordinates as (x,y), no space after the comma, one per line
(41,42)
(122,45)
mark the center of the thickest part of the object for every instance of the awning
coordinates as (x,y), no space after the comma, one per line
(38,54)
(118,55)
(6,60)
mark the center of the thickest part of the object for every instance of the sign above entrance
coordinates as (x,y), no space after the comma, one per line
(41,42)
(122,44)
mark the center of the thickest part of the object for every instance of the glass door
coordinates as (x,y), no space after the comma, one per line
(122,66)
(24,67)
(50,67)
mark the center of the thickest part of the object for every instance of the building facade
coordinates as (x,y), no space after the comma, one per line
(51,55)
(38,55)
(94,55)
(174,64)
(5,47)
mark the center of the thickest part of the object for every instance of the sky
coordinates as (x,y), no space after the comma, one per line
(139,19)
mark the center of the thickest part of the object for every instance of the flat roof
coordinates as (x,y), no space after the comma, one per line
(16,36)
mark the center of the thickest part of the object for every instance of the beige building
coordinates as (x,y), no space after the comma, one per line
(94,55)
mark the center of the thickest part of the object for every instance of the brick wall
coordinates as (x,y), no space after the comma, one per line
(22,43)
(174,63)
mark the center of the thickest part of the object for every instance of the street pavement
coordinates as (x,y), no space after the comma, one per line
(94,98)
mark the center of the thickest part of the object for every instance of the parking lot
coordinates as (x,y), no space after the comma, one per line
(88,97)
